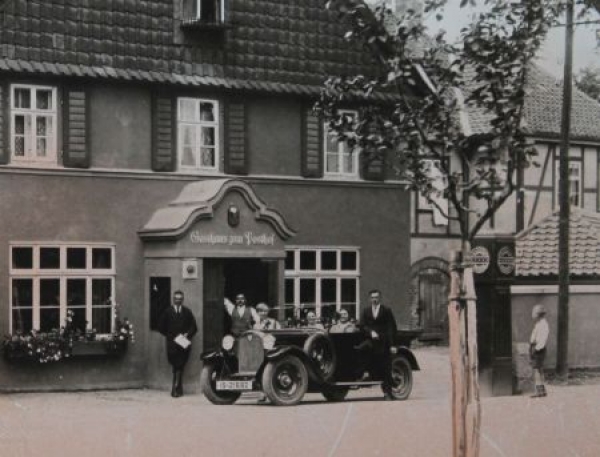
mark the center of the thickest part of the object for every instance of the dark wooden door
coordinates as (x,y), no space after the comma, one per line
(433,302)
(213,312)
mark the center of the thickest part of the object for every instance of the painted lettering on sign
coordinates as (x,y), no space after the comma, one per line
(247,239)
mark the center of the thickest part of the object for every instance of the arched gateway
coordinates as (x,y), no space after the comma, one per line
(216,239)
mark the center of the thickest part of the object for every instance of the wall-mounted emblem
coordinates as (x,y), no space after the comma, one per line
(233,216)
(189,269)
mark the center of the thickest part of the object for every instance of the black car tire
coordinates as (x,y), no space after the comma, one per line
(333,393)
(208,384)
(320,349)
(402,379)
(285,380)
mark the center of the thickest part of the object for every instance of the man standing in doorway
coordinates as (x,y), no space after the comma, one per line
(380,325)
(243,317)
(178,325)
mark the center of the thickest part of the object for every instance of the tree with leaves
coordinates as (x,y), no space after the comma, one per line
(431,82)
(588,81)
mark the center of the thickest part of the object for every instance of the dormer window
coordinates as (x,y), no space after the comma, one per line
(200,14)
(210,10)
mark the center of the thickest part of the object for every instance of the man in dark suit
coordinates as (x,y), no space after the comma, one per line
(178,325)
(380,326)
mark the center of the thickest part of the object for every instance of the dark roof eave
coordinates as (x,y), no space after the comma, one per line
(119,74)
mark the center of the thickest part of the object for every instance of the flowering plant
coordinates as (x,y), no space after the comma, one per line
(53,346)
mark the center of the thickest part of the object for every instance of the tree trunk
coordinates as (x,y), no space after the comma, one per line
(466,406)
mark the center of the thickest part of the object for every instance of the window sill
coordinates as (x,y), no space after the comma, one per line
(202,24)
(350,178)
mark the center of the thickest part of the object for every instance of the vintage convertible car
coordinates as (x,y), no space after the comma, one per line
(287,363)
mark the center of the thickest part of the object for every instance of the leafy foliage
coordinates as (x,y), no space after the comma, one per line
(588,81)
(432,82)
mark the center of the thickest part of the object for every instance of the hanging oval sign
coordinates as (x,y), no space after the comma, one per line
(506,260)
(480,258)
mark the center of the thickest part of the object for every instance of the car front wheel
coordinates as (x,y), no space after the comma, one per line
(401,379)
(285,380)
(208,384)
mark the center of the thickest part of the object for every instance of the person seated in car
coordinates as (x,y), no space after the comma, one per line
(264,321)
(343,324)
(312,321)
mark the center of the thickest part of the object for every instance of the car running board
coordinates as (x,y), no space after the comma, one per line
(357,383)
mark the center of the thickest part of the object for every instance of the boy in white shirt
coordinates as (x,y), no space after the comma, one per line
(537,348)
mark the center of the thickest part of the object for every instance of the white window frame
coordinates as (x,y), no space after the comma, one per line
(198,124)
(342,151)
(319,274)
(440,207)
(62,274)
(221,16)
(30,153)
(575,183)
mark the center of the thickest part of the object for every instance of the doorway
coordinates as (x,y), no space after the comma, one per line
(249,277)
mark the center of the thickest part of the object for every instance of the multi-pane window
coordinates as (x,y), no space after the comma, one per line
(324,279)
(575,184)
(198,134)
(33,123)
(47,280)
(341,161)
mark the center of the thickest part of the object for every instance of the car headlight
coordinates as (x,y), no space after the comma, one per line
(227,342)
(268,342)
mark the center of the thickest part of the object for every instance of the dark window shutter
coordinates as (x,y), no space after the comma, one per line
(312,150)
(75,142)
(4,137)
(373,166)
(163,147)
(236,160)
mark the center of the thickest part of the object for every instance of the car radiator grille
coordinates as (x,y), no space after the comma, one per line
(250,353)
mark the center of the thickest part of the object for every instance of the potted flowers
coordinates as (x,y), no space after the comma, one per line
(67,342)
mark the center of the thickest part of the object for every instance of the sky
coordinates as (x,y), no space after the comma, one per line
(586,51)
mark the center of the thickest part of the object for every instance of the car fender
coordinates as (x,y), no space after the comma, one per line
(212,356)
(282,351)
(408,354)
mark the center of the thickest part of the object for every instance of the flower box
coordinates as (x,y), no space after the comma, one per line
(63,344)
(98,348)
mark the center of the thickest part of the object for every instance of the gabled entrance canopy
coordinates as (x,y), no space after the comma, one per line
(222,218)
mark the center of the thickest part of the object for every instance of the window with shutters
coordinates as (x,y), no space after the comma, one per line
(33,119)
(49,279)
(198,134)
(340,161)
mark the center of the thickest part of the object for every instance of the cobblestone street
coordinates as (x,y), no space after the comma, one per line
(150,423)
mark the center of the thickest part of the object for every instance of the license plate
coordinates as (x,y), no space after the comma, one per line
(234,385)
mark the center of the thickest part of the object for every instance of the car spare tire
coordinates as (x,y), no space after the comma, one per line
(320,350)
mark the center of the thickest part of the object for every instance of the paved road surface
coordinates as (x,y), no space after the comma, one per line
(150,423)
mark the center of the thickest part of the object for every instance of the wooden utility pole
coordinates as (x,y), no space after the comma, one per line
(562,341)
(466,405)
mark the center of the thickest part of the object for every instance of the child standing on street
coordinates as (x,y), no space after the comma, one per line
(537,348)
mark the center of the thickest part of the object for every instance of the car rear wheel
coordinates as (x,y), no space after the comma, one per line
(285,380)
(401,379)
(320,349)
(208,384)
(332,393)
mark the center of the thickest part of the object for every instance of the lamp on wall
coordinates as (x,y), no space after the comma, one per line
(233,216)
